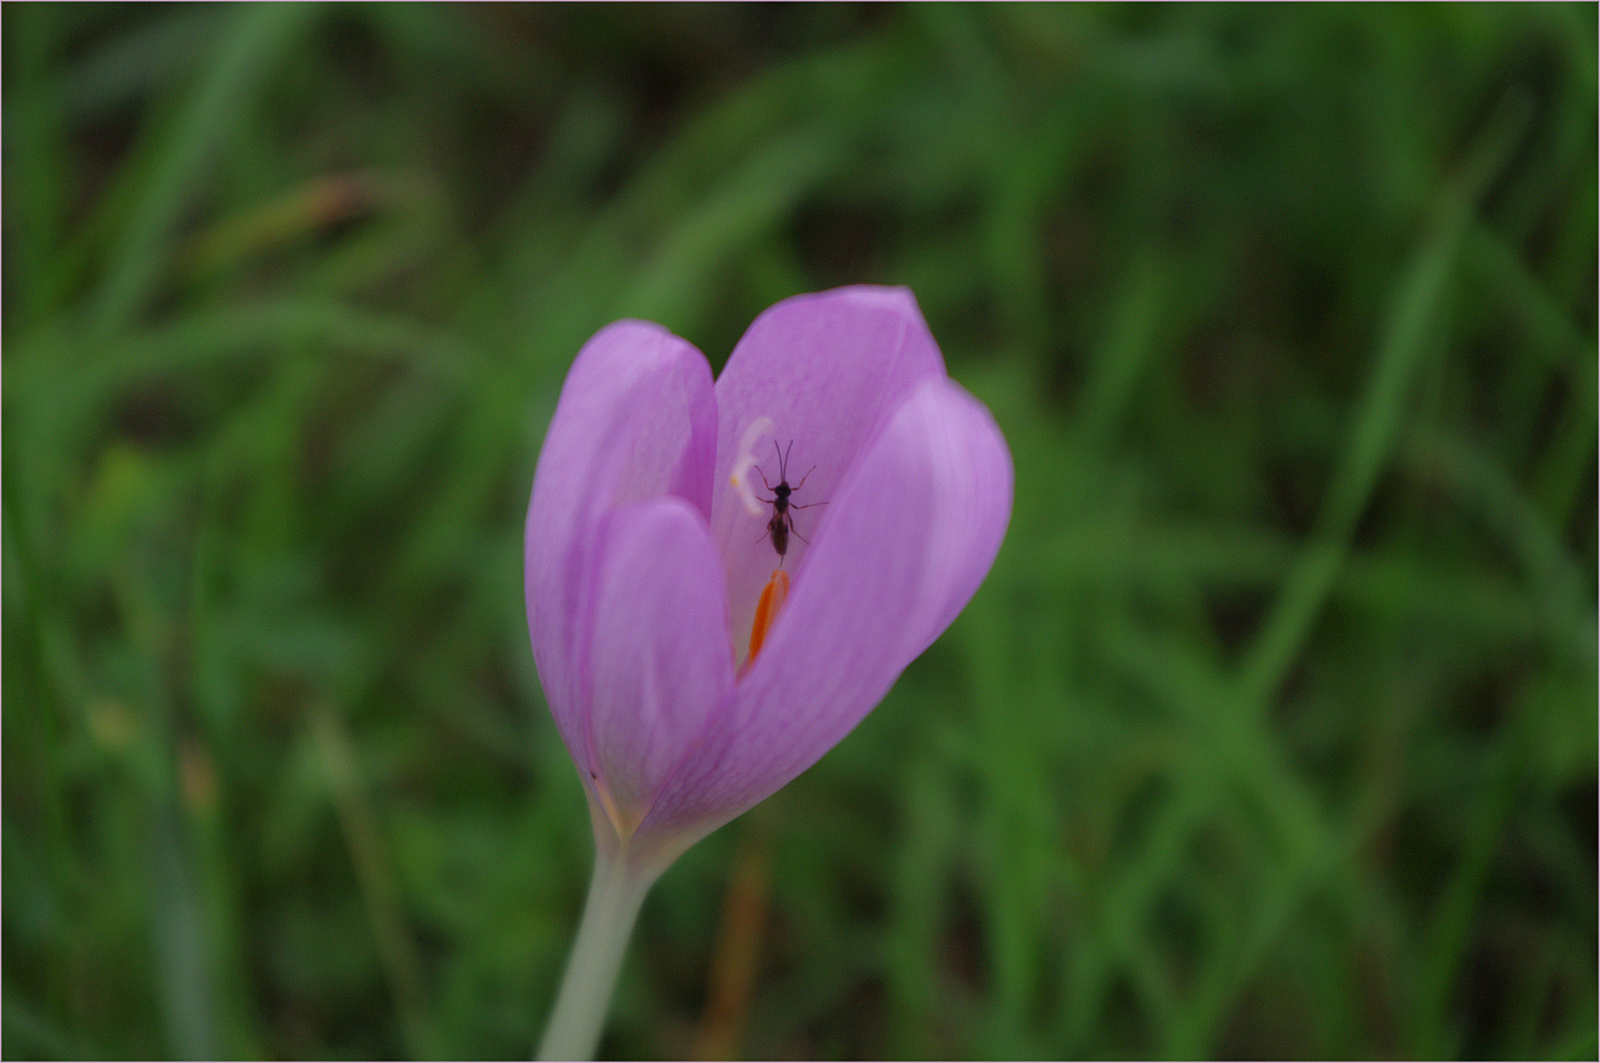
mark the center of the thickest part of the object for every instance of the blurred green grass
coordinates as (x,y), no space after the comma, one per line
(1273,732)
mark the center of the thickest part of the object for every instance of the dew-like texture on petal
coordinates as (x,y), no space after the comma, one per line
(828,369)
(636,419)
(659,654)
(911,534)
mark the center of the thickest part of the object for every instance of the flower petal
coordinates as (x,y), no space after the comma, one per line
(827,369)
(659,655)
(911,534)
(636,418)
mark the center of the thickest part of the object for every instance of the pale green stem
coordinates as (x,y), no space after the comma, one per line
(615,894)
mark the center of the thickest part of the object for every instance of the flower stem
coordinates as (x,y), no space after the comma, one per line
(615,894)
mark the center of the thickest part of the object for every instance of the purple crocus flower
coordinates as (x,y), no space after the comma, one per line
(693,670)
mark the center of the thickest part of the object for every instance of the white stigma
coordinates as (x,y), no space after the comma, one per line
(754,432)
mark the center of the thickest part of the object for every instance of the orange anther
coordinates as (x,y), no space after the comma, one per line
(772,599)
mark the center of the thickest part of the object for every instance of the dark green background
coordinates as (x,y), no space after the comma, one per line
(1273,731)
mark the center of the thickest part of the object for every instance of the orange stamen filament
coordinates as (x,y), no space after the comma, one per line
(772,599)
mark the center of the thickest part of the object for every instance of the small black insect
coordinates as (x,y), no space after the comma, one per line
(782,522)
